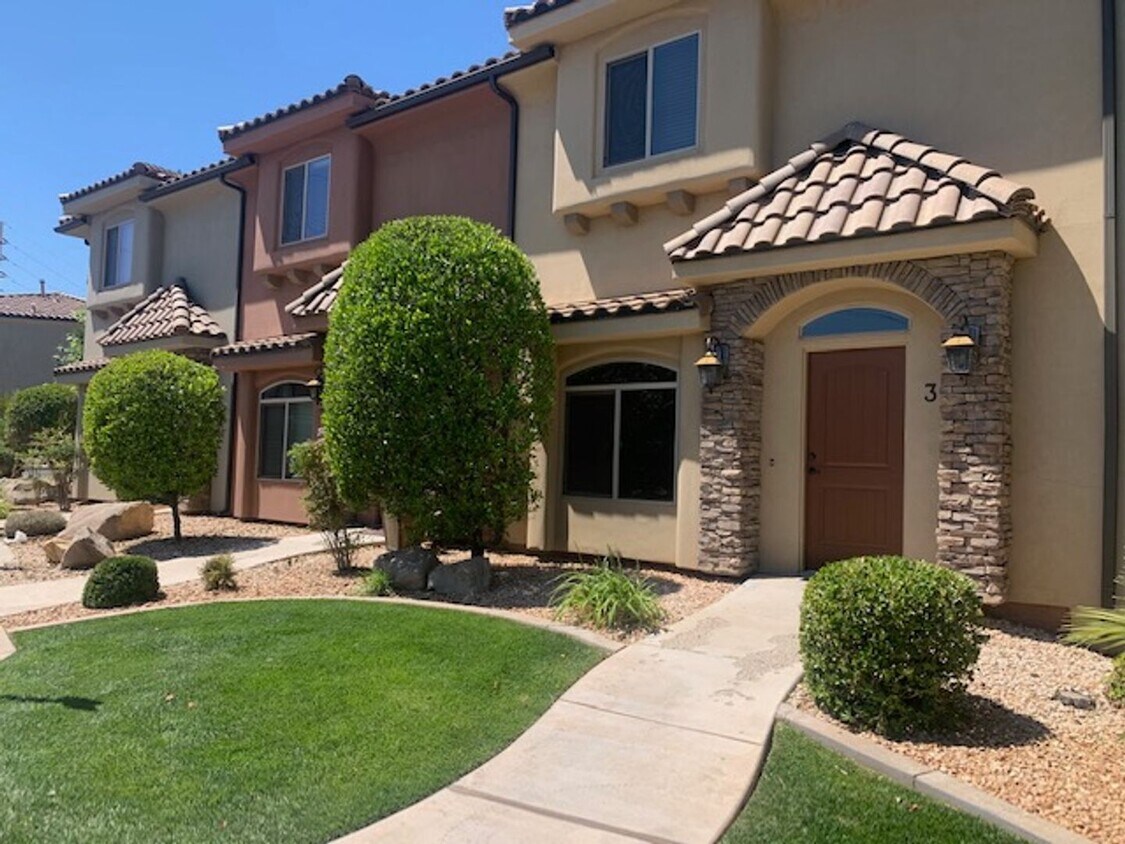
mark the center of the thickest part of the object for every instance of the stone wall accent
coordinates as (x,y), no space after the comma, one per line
(974,475)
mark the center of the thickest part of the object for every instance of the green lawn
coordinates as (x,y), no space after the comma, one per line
(808,794)
(272,721)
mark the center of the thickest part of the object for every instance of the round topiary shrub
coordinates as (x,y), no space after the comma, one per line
(121,582)
(34,522)
(889,643)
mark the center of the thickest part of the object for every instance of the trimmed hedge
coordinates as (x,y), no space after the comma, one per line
(121,582)
(39,408)
(34,522)
(889,643)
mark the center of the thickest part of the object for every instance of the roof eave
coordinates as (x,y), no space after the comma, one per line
(159,191)
(1012,235)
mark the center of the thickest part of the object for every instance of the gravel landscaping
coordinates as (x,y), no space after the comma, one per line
(521,582)
(1062,763)
(203,535)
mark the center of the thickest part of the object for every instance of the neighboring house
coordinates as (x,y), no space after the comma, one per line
(164,250)
(327,172)
(714,146)
(32,327)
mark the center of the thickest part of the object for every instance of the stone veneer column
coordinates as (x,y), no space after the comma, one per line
(974,533)
(730,445)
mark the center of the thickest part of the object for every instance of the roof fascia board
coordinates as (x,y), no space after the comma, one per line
(1010,235)
(240,163)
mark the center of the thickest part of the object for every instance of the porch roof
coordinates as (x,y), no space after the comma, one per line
(165,313)
(858,182)
(664,301)
(265,345)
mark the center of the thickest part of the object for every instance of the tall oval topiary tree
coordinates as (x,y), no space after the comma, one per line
(439,378)
(152,425)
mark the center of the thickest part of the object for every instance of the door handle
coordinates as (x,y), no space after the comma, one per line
(813,470)
(812,459)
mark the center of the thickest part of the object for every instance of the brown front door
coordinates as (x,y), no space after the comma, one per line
(853,490)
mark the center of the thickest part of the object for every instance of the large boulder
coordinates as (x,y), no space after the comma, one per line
(462,580)
(408,568)
(25,492)
(85,550)
(115,520)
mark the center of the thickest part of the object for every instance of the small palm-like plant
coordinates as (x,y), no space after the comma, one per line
(218,574)
(608,596)
(1094,627)
(377,584)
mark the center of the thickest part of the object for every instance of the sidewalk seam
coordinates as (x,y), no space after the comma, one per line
(602,709)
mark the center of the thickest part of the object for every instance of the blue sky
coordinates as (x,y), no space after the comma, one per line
(88,88)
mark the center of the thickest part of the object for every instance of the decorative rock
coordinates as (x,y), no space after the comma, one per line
(115,520)
(462,580)
(1074,698)
(86,550)
(27,491)
(409,568)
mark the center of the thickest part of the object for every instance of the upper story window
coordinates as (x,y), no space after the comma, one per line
(620,432)
(118,268)
(304,204)
(287,418)
(652,101)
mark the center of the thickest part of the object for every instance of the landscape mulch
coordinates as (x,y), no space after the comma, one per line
(1062,763)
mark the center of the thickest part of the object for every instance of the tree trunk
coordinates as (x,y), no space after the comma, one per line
(476,547)
(175,504)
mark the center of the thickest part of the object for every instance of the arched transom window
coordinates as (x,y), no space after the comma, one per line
(620,432)
(286,418)
(854,321)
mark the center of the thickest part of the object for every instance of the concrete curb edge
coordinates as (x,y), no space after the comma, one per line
(928,781)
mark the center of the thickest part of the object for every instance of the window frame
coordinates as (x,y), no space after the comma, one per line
(132,224)
(305,238)
(650,51)
(617,389)
(285,401)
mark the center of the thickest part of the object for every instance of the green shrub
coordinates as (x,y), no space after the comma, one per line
(376,584)
(152,423)
(34,522)
(218,573)
(1098,628)
(1115,686)
(37,409)
(608,596)
(439,378)
(888,643)
(121,582)
(327,510)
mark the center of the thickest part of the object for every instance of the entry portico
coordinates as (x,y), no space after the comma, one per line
(864,241)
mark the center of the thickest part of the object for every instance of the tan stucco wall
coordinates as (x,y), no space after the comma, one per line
(27,350)
(963,76)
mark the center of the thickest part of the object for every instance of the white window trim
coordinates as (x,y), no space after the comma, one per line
(617,390)
(285,476)
(105,254)
(304,238)
(650,51)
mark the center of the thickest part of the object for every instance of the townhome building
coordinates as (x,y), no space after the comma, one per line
(164,253)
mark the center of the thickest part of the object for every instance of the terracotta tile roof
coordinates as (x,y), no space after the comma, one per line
(664,301)
(199,174)
(855,183)
(166,312)
(81,366)
(40,305)
(519,14)
(140,168)
(67,222)
(352,84)
(266,344)
(319,298)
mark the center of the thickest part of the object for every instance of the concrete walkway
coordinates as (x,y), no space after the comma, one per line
(660,743)
(22,597)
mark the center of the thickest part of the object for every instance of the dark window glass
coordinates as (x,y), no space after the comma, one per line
(110,279)
(272,438)
(647,451)
(855,321)
(626,112)
(293,205)
(621,373)
(675,93)
(316,203)
(588,468)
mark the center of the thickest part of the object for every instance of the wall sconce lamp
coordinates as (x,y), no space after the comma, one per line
(961,350)
(316,386)
(713,365)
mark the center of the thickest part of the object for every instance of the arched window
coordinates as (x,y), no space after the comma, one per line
(854,321)
(286,418)
(620,432)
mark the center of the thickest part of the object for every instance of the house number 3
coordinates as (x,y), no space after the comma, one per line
(931,392)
